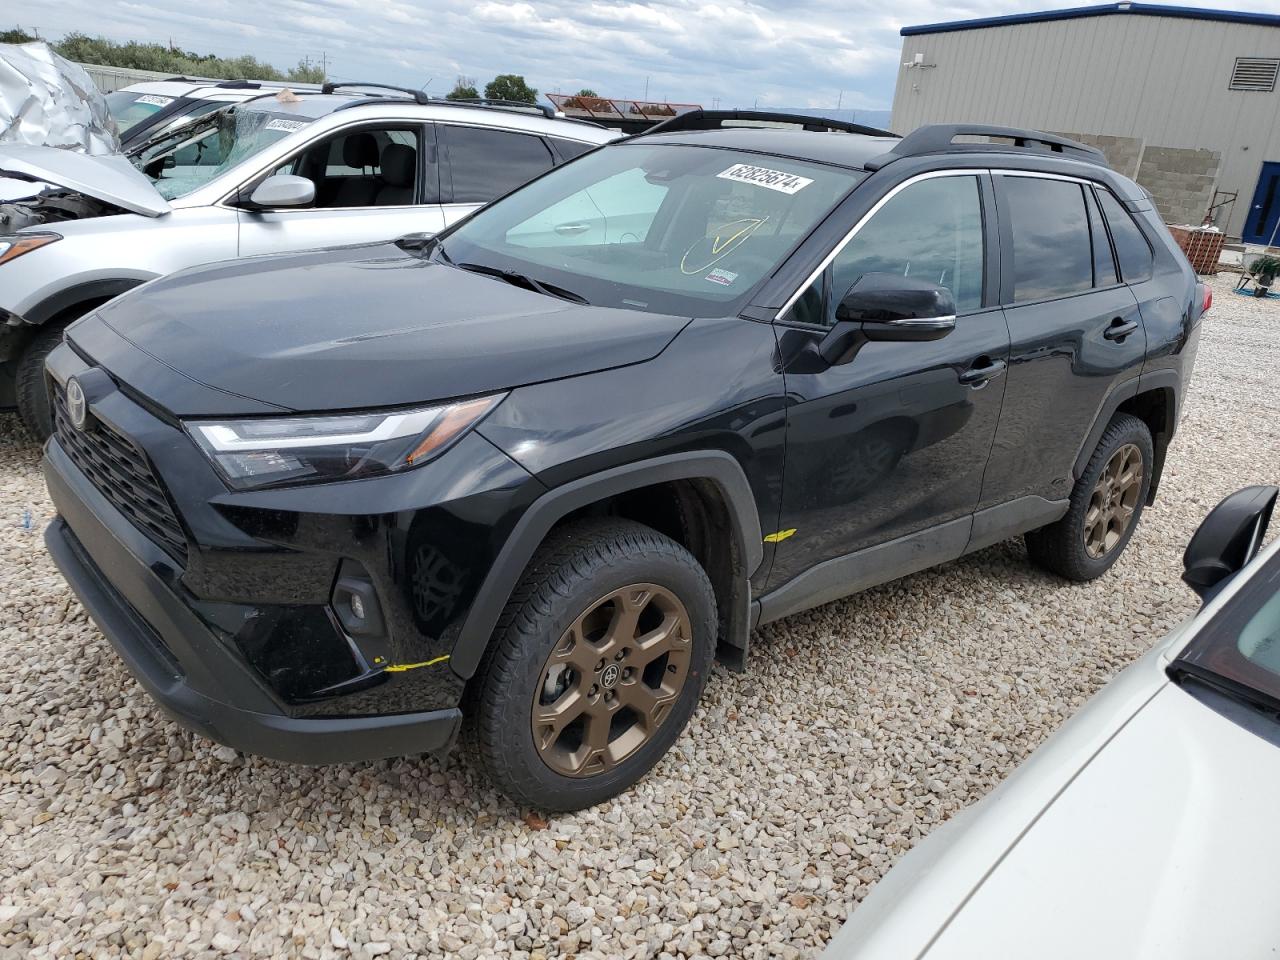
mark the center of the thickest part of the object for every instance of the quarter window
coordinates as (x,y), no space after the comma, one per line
(1131,246)
(1104,264)
(931,230)
(1052,255)
(485,164)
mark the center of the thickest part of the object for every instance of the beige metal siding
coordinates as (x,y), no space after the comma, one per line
(1159,79)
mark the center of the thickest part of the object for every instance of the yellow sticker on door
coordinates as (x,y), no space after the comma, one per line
(779,536)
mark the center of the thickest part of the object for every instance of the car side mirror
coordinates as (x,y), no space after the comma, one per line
(1227,539)
(888,307)
(283,190)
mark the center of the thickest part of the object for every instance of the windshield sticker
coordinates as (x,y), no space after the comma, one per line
(155,101)
(778,180)
(722,277)
(287,125)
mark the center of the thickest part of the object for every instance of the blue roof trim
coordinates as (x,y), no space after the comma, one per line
(1102,10)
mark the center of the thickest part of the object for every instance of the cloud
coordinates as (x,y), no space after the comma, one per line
(807,53)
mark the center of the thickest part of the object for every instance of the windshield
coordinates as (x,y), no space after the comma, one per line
(131,109)
(194,154)
(675,229)
(1242,644)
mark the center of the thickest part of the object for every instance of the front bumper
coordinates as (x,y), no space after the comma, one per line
(184,665)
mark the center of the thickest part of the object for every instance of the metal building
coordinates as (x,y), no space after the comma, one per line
(1186,101)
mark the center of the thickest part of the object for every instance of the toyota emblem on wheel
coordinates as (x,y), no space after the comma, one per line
(77,407)
(609,678)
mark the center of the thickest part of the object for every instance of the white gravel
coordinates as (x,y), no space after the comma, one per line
(859,727)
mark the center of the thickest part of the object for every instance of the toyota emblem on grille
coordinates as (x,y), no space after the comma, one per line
(77,407)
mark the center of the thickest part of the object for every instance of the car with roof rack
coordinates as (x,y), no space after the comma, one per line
(279,171)
(534,474)
(142,110)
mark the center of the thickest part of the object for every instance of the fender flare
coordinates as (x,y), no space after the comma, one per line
(1150,382)
(1117,396)
(544,513)
(53,305)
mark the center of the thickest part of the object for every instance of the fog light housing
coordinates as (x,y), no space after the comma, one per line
(355,602)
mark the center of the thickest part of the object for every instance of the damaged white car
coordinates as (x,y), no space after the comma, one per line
(278,173)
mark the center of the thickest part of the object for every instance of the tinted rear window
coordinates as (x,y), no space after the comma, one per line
(1052,256)
(485,164)
(1131,245)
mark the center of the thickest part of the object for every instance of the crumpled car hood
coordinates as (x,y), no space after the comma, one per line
(46,100)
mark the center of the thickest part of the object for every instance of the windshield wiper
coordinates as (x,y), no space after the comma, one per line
(529,283)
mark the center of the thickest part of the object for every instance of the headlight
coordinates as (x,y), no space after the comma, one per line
(13,247)
(259,453)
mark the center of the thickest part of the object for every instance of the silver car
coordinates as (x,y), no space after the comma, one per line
(278,173)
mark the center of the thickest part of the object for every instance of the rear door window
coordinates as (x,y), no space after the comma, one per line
(1052,253)
(1131,246)
(485,164)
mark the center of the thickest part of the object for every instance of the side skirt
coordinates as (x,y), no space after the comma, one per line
(872,566)
(841,576)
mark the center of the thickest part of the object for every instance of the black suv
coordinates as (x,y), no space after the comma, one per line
(532,475)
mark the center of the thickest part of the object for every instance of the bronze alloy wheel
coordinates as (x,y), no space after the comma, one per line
(1113,502)
(611,680)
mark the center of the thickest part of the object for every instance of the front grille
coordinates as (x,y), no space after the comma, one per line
(121,472)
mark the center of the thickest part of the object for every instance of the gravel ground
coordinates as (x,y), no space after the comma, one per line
(859,727)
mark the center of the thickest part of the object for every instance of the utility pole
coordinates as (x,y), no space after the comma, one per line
(324,64)
(646,88)
(840,100)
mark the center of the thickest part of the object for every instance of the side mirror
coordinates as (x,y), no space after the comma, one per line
(283,190)
(1227,539)
(888,307)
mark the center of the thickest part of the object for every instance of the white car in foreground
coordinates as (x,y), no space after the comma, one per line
(1146,826)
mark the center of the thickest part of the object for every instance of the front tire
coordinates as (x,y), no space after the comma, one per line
(596,666)
(1106,505)
(31,386)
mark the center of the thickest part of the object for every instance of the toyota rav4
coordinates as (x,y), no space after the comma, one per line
(532,475)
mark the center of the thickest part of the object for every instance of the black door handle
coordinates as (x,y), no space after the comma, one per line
(980,374)
(1120,329)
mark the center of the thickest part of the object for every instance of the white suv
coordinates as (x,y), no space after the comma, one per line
(277,173)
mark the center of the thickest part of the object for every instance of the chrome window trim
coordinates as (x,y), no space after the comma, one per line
(835,251)
(966,172)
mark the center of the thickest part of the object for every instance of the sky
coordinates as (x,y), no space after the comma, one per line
(818,53)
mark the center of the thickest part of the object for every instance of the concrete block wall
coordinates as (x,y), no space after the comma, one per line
(1180,180)
(1122,153)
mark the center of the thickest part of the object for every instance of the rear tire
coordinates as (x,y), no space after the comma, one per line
(1106,505)
(30,386)
(596,665)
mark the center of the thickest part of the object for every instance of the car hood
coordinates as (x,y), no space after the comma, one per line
(110,178)
(354,327)
(1172,823)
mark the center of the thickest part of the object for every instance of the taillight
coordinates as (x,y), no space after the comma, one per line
(1206,298)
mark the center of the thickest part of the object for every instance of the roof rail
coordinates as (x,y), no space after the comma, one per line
(715,120)
(522,105)
(417,95)
(938,137)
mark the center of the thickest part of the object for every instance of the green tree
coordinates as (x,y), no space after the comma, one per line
(510,86)
(463,89)
(16,35)
(586,92)
(154,56)
(304,73)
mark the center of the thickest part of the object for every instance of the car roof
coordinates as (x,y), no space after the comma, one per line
(841,149)
(312,104)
